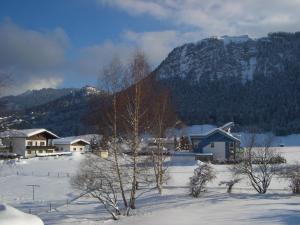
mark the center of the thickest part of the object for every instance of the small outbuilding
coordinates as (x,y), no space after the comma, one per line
(71,144)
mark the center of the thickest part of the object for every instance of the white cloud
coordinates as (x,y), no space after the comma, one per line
(92,58)
(219,17)
(156,45)
(139,7)
(39,83)
(32,57)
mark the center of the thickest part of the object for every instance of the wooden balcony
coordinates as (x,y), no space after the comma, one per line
(45,147)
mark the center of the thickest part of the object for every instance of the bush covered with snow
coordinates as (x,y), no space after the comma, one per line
(202,175)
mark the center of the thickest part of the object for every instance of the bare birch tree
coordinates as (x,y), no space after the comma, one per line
(123,116)
(159,152)
(138,70)
(113,75)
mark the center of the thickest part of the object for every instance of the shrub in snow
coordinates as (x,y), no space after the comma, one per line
(259,164)
(292,173)
(230,184)
(203,174)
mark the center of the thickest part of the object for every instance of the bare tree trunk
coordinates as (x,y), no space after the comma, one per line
(115,152)
(135,145)
(158,157)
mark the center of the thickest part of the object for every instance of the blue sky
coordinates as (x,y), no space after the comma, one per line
(65,43)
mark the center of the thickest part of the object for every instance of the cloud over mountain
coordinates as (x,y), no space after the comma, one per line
(33,59)
(215,17)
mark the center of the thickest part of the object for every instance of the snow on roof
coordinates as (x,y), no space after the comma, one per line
(194,130)
(227,125)
(214,131)
(69,140)
(25,133)
(12,216)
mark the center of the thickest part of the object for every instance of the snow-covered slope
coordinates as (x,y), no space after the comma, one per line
(12,216)
(231,56)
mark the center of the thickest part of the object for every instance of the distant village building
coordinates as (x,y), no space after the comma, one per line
(71,144)
(29,142)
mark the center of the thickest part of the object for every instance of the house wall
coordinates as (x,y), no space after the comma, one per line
(77,148)
(71,148)
(218,150)
(63,148)
(17,144)
(221,143)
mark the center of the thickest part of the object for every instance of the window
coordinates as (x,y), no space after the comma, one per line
(42,143)
(28,151)
(29,143)
(40,151)
(80,149)
(74,149)
(212,144)
(231,144)
(61,148)
(49,151)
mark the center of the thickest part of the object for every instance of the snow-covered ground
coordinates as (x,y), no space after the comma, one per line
(215,207)
(12,216)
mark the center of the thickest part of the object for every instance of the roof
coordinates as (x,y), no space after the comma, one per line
(25,133)
(217,130)
(69,141)
(227,126)
(224,133)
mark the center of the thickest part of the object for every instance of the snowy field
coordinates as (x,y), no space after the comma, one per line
(215,207)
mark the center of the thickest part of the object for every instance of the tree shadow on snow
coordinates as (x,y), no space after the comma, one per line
(288,217)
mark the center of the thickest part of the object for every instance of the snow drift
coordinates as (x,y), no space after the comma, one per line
(12,216)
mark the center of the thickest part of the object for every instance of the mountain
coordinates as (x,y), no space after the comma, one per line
(33,97)
(255,82)
(232,56)
(60,111)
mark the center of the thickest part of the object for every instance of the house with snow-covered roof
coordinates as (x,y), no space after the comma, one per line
(29,142)
(71,144)
(219,143)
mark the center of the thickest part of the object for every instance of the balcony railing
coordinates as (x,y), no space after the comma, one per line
(44,147)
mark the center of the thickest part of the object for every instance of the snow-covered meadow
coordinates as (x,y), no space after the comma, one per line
(215,207)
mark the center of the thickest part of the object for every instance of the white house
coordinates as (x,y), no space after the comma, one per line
(71,144)
(29,142)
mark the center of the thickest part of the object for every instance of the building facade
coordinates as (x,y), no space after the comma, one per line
(219,143)
(29,142)
(71,144)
